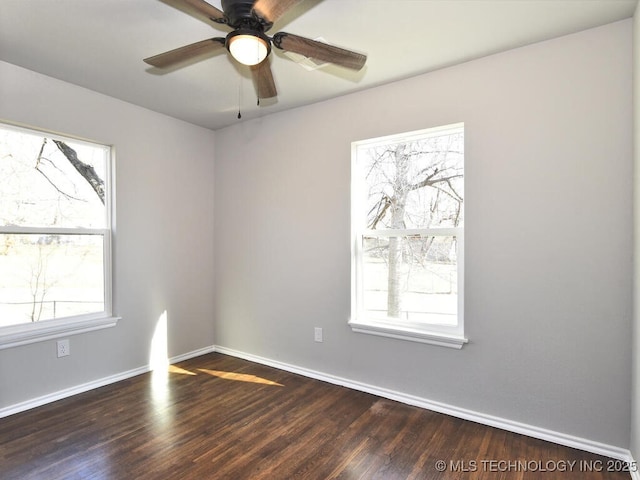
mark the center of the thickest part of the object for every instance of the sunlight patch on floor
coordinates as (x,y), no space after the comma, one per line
(182,371)
(239,377)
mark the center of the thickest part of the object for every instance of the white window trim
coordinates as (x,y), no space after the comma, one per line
(27,333)
(380,329)
(452,337)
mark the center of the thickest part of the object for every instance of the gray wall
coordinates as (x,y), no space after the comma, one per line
(635,399)
(548,236)
(163,239)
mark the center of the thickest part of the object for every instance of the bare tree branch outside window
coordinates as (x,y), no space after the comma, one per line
(87,171)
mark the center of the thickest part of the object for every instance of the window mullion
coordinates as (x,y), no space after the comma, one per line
(52,231)
(425,232)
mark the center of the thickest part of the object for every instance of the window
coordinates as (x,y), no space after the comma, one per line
(55,236)
(407,224)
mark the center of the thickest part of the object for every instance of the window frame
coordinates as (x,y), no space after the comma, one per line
(42,330)
(360,322)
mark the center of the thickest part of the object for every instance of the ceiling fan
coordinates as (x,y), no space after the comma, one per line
(248,43)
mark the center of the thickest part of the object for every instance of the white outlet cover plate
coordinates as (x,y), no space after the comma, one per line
(63,348)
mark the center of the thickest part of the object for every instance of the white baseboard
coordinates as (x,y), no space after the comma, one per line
(69,392)
(85,387)
(484,419)
(193,354)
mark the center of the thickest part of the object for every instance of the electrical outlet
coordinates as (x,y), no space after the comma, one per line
(317,334)
(63,348)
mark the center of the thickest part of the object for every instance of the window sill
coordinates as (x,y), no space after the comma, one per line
(24,334)
(409,334)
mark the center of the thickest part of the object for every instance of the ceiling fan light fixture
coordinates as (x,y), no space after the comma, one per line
(249,47)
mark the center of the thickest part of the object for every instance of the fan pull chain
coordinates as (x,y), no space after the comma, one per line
(239,97)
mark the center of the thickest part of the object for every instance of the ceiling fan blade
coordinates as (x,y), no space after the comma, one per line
(263,79)
(187,52)
(272,10)
(319,51)
(204,8)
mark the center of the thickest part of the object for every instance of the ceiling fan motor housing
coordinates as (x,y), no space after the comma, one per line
(240,14)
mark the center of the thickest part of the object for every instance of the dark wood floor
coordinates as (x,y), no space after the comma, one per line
(218,417)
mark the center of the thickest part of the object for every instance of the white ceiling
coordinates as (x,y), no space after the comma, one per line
(100,44)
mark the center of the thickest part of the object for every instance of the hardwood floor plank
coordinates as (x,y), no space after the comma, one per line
(219,417)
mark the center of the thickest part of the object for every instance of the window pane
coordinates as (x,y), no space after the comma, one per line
(412,278)
(414,184)
(50,276)
(47,182)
